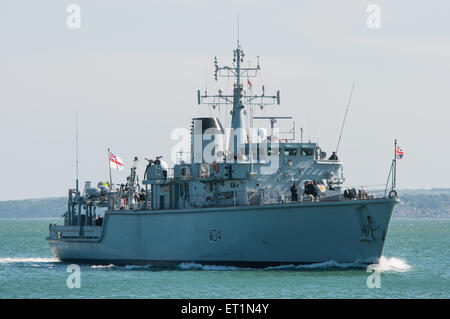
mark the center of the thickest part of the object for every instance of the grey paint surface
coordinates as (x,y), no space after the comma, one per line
(270,234)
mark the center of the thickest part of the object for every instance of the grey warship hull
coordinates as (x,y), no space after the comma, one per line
(250,236)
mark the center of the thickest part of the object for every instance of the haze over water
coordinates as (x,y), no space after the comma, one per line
(415,264)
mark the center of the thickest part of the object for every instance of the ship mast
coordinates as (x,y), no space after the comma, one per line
(238,132)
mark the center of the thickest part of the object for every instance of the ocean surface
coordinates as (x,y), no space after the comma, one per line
(415,264)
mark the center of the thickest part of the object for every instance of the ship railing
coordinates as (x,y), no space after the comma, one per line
(57,232)
(118,202)
(367,191)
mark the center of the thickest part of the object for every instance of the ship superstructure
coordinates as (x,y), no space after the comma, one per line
(244,197)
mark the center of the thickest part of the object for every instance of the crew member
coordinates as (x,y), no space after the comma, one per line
(309,189)
(316,191)
(142,195)
(334,157)
(294,193)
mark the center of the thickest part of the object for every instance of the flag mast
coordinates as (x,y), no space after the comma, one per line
(110,175)
(394,179)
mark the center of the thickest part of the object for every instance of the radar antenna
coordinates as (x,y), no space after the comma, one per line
(239,98)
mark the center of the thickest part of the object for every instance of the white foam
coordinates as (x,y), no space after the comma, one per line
(132,267)
(392,264)
(102,266)
(195,266)
(323,265)
(384,264)
(16,260)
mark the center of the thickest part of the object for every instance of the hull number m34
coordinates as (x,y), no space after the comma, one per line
(215,235)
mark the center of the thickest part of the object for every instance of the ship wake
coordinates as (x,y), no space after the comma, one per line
(392,264)
(28,261)
(385,264)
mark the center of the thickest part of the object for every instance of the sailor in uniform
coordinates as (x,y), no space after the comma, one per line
(294,193)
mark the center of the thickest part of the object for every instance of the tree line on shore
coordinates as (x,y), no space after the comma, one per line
(434,203)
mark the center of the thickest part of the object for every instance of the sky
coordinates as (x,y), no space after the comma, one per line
(133,67)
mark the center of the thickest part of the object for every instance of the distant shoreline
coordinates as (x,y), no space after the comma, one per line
(52,218)
(414,203)
(30,218)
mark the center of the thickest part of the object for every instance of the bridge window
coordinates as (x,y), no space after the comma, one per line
(307,151)
(290,151)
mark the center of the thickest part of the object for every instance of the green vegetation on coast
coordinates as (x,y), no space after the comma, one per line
(419,203)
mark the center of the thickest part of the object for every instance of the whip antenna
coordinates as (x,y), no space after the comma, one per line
(345,117)
(238,28)
(76,146)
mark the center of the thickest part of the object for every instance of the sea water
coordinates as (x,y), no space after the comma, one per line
(415,264)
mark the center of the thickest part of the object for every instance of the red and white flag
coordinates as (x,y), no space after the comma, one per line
(115,162)
(399,153)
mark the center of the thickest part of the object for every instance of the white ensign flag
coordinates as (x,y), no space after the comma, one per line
(115,162)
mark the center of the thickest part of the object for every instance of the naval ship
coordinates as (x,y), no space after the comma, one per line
(245,197)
